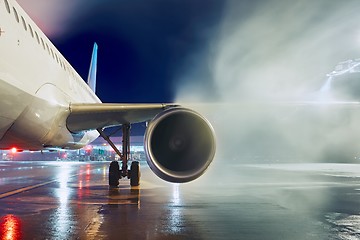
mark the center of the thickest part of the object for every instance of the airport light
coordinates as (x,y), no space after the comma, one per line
(13,150)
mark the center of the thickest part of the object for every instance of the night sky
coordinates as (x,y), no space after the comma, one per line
(143,45)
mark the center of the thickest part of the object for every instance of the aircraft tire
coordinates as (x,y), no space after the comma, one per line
(134,174)
(114,174)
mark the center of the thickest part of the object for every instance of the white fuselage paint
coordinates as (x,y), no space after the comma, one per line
(37,86)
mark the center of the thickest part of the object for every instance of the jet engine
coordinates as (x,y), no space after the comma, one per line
(179,144)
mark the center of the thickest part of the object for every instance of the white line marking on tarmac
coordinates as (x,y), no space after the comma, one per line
(24,189)
(20,190)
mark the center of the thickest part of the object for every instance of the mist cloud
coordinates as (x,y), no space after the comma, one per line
(276,51)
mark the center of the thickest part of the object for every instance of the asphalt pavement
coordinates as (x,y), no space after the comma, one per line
(71,200)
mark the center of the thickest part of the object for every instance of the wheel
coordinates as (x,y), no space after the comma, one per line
(114,174)
(135,174)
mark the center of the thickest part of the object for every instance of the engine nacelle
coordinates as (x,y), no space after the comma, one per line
(179,144)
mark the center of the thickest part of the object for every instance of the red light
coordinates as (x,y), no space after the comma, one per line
(10,227)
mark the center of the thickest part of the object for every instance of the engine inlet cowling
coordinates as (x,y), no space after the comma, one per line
(179,144)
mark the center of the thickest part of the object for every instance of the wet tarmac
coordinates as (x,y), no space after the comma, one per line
(71,200)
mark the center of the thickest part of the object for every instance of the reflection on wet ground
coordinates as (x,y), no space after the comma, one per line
(10,226)
(56,200)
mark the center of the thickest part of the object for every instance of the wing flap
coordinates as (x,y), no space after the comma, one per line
(100,115)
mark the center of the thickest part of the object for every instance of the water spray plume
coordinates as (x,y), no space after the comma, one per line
(277,52)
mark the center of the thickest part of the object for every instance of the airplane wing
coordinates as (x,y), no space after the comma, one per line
(91,116)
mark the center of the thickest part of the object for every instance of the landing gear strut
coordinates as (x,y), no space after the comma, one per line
(115,173)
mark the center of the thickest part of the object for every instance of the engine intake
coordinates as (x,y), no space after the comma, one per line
(179,144)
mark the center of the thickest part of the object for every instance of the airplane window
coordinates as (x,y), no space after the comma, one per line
(42,42)
(47,47)
(24,23)
(37,37)
(16,15)
(7,6)
(52,53)
(31,31)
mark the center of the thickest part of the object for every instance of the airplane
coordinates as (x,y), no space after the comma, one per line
(45,104)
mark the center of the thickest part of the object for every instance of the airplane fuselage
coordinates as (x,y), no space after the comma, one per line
(37,86)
